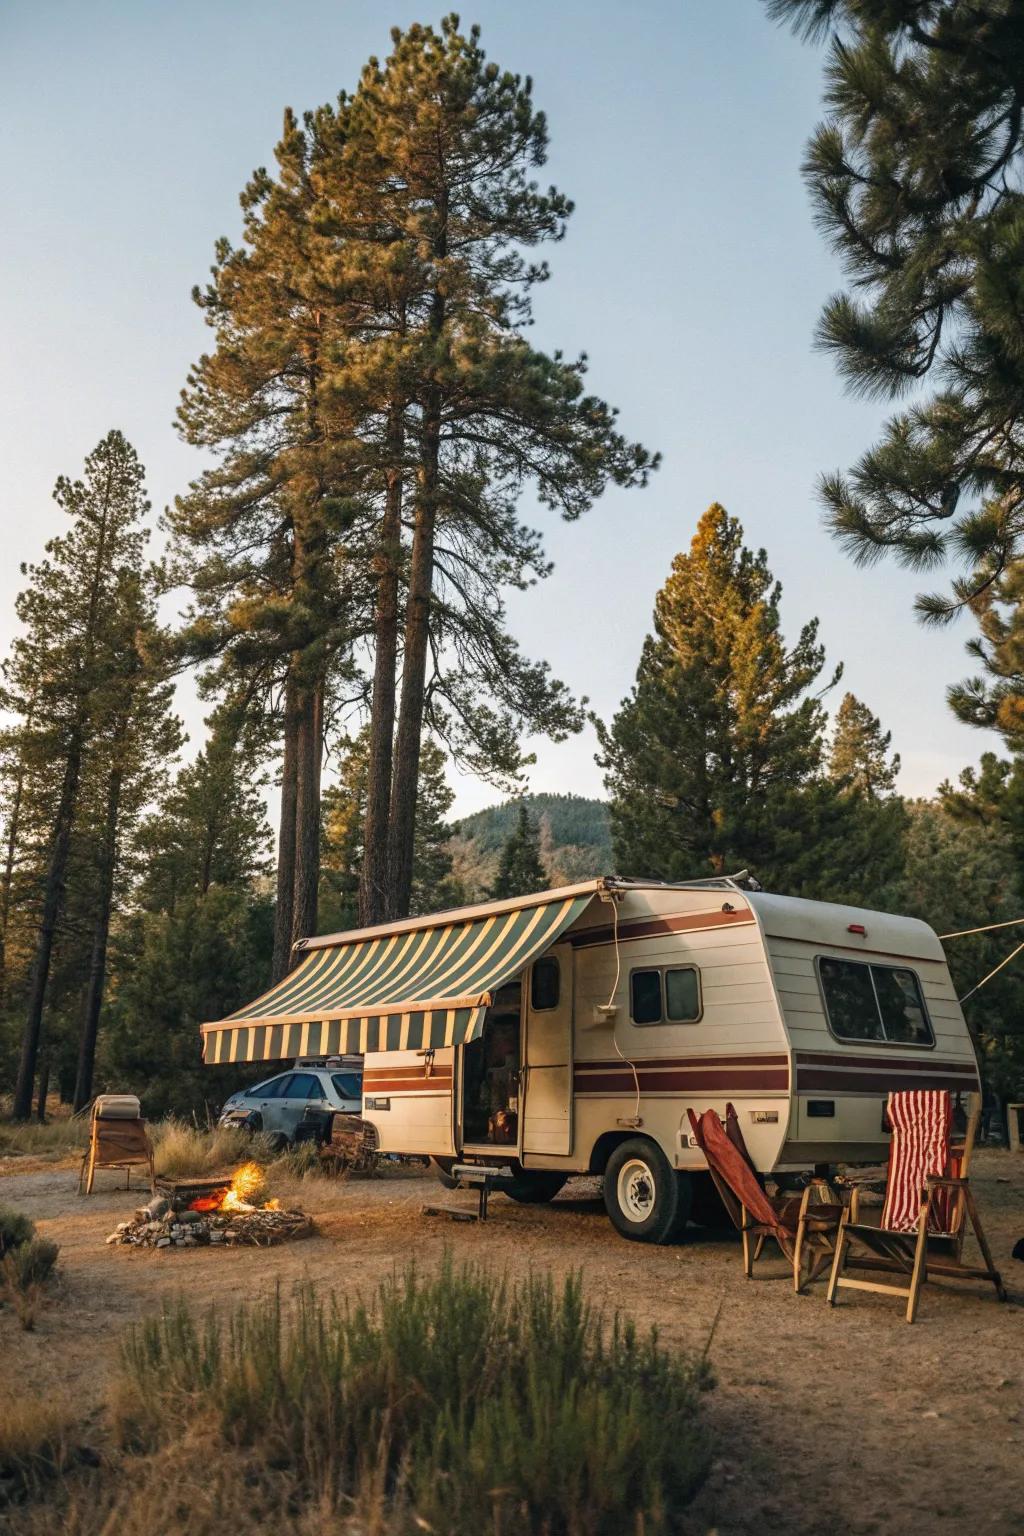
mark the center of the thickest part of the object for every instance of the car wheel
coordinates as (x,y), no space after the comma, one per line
(646,1199)
(534,1187)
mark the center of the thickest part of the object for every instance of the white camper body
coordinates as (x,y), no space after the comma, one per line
(749,978)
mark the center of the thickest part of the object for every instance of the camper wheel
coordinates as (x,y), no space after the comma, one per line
(646,1200)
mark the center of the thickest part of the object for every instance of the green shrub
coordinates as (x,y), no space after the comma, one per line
(15,1229)
(24,1270)
(460,1401)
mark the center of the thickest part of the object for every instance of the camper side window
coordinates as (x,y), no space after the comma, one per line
(665,997)
(544,984)
(879,1003)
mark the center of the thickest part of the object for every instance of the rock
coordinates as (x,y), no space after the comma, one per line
(163,1242)
(189,1218)
(115,1237)
(217,1235)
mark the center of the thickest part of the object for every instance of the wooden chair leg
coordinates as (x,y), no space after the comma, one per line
(986,1251)
(839,1258)
(92,1167)
(919,1273)
(748,1257)
(759,1246)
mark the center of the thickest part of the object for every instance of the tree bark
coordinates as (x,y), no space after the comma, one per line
(402,829)
(9,857)
(44,1087)
(309,762)
(53,893)
(100,938)
(284,905)
(374,893)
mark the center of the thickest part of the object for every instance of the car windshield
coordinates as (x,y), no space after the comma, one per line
(347,1085)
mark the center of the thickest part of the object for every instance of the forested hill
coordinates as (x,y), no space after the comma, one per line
(574,837)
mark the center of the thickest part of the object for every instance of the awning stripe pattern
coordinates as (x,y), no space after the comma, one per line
(399,991)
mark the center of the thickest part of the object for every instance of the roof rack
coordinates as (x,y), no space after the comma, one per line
(743,880)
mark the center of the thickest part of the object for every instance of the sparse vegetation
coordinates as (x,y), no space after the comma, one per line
(53,1138)
(26,1263)
(456,1402)
(34,1444)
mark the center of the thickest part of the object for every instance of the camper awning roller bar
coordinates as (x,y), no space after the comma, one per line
(404,989)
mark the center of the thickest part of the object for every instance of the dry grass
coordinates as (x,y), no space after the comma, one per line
(185,1151)
(35,1435)
(53,1139)
(455,1403)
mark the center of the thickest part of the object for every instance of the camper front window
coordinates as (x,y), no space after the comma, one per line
(876,1003)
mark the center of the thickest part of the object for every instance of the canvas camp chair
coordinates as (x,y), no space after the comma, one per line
(928,1203)
(804,1227)
(117,1139)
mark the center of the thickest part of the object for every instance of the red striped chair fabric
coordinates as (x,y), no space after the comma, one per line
(921,1121)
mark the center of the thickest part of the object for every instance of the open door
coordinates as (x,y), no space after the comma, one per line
(407,1097)
(547,1059)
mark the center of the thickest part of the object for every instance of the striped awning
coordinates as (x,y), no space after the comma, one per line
(403,989)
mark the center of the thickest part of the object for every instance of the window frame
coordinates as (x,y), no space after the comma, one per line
(664,1021)
(546,960)
(882,1042)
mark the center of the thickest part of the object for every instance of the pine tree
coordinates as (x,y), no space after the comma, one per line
(455,142)
(915,176)
(705,760)
(344,849)
(859,758)
(521,871)
(64,667)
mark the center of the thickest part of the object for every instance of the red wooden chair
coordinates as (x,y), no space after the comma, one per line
(928,1203)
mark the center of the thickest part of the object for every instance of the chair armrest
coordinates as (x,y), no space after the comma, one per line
(933,1181)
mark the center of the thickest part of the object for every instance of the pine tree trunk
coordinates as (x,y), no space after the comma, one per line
(8,876)
(53,892)
(101,935)
(374,904)
(284,905)
(309,761)
(402,829)
(44,1086)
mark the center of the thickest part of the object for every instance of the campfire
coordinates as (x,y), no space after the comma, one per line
(229,1209)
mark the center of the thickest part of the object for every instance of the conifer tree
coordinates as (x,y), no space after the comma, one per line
(859,758)
(59,680)
(916,180)
(521,870)
(457,141)
(706,759)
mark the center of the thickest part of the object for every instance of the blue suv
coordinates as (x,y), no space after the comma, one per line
(278,1105)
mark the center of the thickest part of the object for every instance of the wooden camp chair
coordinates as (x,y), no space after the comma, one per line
(928,1203)
(117,1139)
(804,1227)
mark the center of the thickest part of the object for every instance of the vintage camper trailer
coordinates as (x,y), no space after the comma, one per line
(570,1031)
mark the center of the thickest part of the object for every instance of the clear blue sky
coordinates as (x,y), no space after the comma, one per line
(691,274)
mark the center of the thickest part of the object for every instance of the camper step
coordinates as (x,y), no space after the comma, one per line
(479,1173)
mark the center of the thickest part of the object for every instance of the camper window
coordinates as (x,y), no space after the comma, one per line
(544,984)
(665,997)
(877,1003)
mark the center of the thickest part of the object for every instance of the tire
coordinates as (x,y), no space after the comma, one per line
(441,1166)
(535,1187)
(706,1208)
(646,1199)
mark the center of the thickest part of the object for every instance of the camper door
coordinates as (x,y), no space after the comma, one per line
(547,1062)
(407,1096)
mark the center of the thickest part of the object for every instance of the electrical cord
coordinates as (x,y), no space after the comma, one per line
(611,1000)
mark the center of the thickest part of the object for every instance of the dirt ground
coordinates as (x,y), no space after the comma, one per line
(843,1420)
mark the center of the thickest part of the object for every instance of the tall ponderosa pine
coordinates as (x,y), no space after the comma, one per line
(706,759)
(68,680)
(431,182)
(521,870)
(916,180)
(259,536)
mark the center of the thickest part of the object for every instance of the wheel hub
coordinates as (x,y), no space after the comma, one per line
(635,1190)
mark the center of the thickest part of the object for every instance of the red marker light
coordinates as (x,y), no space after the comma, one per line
(857,928)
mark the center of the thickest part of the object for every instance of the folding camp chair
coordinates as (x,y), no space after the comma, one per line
(928,1201)
(117,1139)
(804,1227)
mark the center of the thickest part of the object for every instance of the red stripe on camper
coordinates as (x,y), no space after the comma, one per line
(710,1079)
(650,927)
(862,1060)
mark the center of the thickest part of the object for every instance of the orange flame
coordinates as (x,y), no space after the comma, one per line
(242,1194)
